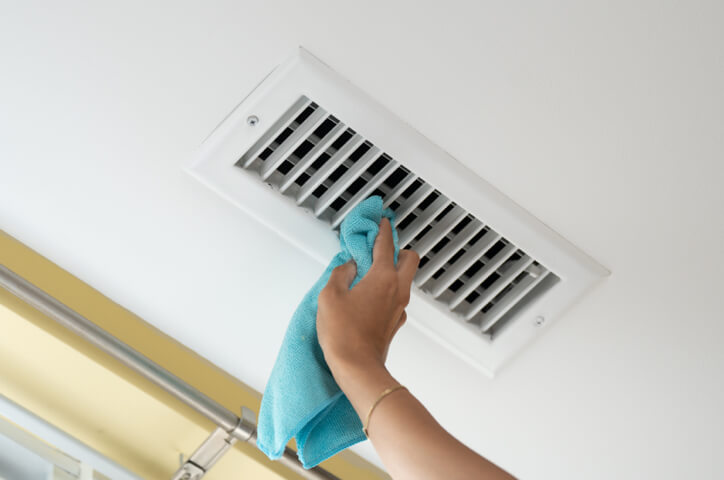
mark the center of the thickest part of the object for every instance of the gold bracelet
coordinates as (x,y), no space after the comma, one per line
(379,399)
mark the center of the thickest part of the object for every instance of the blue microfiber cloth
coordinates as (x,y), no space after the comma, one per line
(301,398)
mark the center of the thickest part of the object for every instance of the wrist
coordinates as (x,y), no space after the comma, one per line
(349,364)
(362,382)
(355,371)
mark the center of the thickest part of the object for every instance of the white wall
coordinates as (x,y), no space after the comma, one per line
(602,118)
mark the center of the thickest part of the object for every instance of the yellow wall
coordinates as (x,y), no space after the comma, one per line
(91,396)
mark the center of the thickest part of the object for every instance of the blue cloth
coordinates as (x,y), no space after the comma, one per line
(301,398)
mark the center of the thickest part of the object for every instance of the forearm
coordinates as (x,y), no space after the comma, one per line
(411,444)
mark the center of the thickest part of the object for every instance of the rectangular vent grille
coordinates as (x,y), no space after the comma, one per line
(327,168)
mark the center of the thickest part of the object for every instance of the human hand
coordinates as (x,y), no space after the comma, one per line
(355,326)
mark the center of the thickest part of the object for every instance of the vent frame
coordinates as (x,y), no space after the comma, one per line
(305,76)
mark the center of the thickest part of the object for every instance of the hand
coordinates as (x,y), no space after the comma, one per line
(355,326)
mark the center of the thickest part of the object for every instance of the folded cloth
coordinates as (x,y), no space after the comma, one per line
(301,398)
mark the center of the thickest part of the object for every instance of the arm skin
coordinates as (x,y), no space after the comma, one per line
(355,327)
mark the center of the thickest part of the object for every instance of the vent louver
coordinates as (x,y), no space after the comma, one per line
(306,140)
(328,168)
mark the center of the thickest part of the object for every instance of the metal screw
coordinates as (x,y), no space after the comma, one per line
(186,476)
(252,120)
(539,320)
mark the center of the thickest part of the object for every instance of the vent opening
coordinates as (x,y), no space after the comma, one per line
(327,167)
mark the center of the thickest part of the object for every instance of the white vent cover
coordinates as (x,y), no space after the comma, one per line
(491,275)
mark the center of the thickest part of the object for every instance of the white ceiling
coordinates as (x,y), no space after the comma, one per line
(604,119)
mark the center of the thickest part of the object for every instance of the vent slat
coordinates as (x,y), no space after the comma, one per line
(461,265)
(364,192)
(411,203)
(492,316)
(497,287)
(425,218)
(481,275)
(471,255)
(319,148)
(343,182)
(294,140)
(284,122)
(440,230)
(330,166)
(394,194)
(447,252)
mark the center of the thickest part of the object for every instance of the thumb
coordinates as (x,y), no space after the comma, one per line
(343,275)
(400,322)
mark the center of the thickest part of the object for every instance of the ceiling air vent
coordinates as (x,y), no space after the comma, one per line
(323,165)
(490,276)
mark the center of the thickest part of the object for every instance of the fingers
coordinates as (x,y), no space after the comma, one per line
(407,261)
(343,276)
(384,250)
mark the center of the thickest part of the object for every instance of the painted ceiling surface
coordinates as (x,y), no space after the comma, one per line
(604,120)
